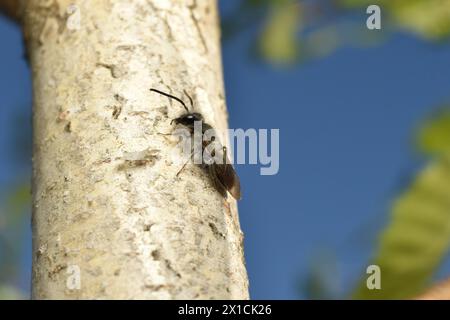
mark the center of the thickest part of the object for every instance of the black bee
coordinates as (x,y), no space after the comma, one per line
(222,174)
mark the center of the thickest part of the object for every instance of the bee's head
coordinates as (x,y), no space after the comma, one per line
(188,119)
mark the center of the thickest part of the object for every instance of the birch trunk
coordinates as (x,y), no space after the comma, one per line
(107,226)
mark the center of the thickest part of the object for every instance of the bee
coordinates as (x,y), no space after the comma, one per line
(222,174)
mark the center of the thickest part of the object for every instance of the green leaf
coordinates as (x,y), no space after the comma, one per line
(429,19)
(18,199)
(278,42)
(417,238)
(434,136)
(10,293)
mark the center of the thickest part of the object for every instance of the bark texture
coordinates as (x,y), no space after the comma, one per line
(107,203)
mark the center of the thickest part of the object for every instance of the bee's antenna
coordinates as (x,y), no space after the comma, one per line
(173,97)
(190,99)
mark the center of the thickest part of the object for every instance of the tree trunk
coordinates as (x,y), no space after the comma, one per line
(111,220)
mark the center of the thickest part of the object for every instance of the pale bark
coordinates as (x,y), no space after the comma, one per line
(134,229)
(441,291)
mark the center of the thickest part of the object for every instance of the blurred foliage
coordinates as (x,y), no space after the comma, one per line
(418,236)
(278,40)
(294,30)
(429,19)
(13,215)
(10,293)
(15,206)
(434,136)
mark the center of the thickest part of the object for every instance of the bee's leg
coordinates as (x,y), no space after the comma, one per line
(224,155)
(226,160)
(184,165)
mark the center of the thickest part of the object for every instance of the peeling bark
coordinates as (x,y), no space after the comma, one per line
(106,198)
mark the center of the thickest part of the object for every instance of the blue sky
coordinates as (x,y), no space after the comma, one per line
(346,124)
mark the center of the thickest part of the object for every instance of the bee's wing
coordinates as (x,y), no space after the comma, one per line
(213,174)
(228,178)
(223,174)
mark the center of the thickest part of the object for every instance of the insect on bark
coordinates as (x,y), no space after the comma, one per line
(222,174)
